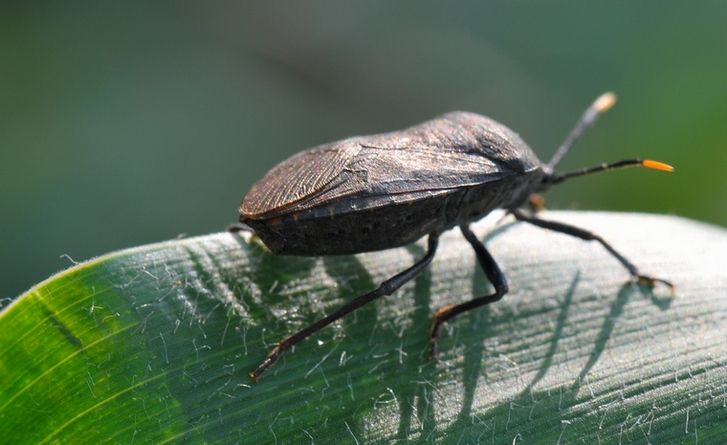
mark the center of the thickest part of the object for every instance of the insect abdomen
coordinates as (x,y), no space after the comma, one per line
(320,232)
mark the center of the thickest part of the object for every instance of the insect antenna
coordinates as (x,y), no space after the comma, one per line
(656,165)
(600,106)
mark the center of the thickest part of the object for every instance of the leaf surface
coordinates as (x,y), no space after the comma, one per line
(153,344)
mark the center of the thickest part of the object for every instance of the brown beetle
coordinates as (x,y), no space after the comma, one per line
(377,192)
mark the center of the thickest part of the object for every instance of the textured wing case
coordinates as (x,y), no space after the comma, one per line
(434,158)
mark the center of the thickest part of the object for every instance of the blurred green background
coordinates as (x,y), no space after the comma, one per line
(133,122)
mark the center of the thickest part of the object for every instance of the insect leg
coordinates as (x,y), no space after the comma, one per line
(589,236)
(238,227)
(387,288)
(496,277)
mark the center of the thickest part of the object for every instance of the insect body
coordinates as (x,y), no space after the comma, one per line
(378,192)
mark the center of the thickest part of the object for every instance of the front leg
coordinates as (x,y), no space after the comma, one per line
(590,236)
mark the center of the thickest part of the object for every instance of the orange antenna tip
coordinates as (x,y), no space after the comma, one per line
(604,102)
(657,165)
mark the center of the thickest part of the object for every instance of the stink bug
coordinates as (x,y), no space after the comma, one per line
(377,192)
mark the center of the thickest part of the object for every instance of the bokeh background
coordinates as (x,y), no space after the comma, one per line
(127,123)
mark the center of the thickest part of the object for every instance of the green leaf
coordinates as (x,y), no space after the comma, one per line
(153,344)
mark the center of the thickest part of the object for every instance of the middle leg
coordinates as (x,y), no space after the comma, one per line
(494,274)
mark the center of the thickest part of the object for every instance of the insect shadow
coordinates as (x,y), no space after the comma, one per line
(609,324)
(473,355)
(523,413)
(269,273)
